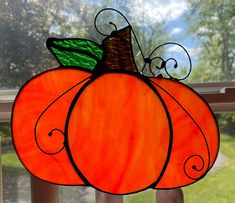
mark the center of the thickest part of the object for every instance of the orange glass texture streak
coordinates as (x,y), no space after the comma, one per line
(32,100)
(118,134)
(195,139)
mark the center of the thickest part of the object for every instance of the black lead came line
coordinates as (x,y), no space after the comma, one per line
(204,137)
(50,133)
(151,86)
(149,60)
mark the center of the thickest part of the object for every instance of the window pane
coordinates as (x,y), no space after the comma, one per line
(26,25)
(207,33)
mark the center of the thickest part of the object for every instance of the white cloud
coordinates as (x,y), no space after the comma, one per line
(193,52)
(173,48)
(176,30)
(158,10)
(203,30)
(181,57)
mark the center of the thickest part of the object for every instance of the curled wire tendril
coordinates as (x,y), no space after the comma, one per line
(113,24)
(147,60)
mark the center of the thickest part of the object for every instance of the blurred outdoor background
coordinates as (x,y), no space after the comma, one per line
(205,28)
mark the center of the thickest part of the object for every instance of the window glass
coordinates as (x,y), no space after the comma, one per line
(205,28)
(26,25)
(207,35)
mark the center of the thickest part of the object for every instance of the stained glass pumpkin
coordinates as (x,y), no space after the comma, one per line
(98,122)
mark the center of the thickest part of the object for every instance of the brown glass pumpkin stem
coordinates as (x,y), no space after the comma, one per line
(118,51)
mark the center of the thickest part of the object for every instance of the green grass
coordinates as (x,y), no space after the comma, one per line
(11,165)
(10,159)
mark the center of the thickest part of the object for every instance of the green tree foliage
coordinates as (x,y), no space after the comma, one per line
(150,33)
(26,24)
(213,23)
(24,28)
(20,36)
(4,130)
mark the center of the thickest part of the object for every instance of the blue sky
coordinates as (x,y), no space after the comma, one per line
(178,30)
(173,12)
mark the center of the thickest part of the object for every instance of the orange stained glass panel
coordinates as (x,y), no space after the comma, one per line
(41,106)
(118,134)
(195,134)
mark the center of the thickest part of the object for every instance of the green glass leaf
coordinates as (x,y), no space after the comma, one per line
(75,52)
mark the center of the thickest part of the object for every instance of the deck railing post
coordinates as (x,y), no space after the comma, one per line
(170,196)
(42,192)
(107,198)
(1,193)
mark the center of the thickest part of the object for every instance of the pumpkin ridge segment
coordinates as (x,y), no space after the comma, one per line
(28,91)
(66,142)
(76,99)
(50,133)
(149,83)
(202,133)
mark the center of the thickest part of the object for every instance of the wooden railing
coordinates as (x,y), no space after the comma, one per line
(220,96)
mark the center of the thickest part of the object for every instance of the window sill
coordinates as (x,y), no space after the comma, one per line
(220,96)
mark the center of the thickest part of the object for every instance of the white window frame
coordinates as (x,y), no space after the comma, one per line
(220,96)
